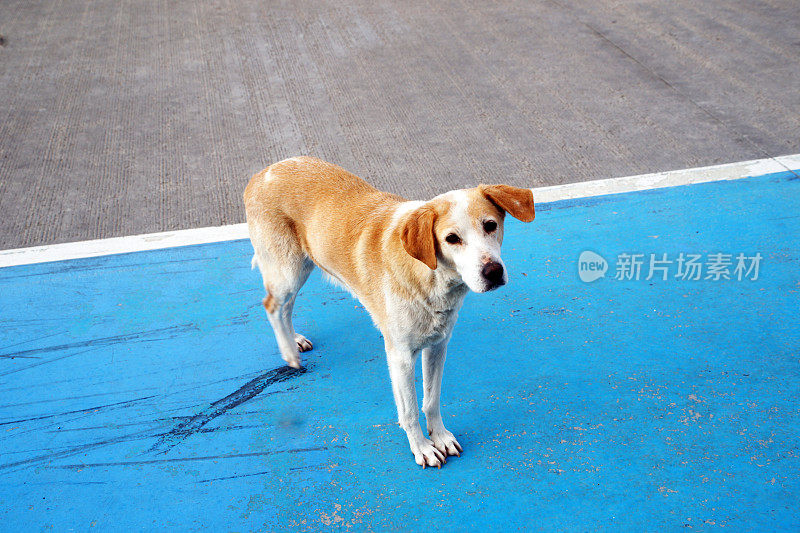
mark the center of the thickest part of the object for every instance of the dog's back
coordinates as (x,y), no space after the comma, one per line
(287,186)
(314,205)
(305,209)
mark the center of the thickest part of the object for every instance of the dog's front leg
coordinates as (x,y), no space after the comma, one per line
(401,370)
(432,370)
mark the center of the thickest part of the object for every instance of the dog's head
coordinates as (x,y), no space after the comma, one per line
(462,231)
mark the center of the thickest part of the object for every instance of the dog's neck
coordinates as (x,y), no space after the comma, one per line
(441,289)
(448,295)
(446,279)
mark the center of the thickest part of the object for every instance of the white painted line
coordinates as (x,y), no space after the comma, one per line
(121,245)
(728,171)
(791,162)
(169,239)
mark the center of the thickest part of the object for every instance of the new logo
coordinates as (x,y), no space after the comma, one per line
(591,266)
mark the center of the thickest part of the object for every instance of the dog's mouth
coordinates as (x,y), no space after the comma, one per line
(493,286)
(490,286)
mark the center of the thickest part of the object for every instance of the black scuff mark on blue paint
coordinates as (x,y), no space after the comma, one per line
(167,333)
(236,476)
(244,291)
(246,392)
(86,410)
(69,398)
(230,427)
(262,473)
(205,384)
(36,340)
(139,435)
(244,317)
(74,450)
(80,466)
(63,482)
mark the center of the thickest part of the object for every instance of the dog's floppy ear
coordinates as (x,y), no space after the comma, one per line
(417,235)
(516,201)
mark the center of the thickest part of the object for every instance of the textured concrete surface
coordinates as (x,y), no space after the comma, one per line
(128,117)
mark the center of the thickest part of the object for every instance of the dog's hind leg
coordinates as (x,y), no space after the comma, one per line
(303,344)
(279,303)
(284,268)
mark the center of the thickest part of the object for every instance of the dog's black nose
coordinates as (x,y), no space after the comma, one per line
(493,273)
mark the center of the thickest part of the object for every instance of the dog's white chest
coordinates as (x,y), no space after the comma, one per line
(424,323)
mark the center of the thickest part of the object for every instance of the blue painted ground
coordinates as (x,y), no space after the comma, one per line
(144,391)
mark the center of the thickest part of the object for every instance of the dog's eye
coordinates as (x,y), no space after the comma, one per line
(453,239)
(489,226)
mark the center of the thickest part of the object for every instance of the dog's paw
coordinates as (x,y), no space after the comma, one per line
(425,454)
(293,362)
(446,443)
(303,344)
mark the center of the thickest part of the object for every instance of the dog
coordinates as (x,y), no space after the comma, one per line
(410,263)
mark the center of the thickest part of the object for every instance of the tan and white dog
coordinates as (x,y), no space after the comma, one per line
(409,263)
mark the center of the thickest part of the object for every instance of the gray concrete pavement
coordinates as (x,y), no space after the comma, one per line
(128,117)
